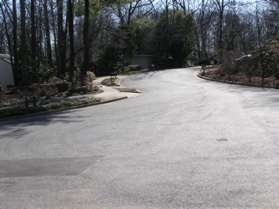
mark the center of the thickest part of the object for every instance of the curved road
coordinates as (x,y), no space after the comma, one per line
(184,143)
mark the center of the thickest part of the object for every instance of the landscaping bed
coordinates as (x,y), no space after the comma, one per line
(57,96)
(217,74)
(47,105)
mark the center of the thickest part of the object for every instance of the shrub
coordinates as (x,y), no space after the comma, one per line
(263,62)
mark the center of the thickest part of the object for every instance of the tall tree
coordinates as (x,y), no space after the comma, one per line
(15,44)
(33,37)
(23,45)
(71,38)
(61,56)
(220,44)
(47,33)
(86,40)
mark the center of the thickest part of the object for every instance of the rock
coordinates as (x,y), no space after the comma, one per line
(90,77)
(111,82)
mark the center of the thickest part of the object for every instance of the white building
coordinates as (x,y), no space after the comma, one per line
(6,72)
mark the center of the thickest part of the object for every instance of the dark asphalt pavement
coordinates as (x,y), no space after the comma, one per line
(184,143)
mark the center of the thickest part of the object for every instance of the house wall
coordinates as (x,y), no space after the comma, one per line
(6,74)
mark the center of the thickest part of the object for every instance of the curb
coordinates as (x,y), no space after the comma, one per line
(129,90)
(233,83)
(59,110)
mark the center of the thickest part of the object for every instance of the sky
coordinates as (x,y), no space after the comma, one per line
(247,5)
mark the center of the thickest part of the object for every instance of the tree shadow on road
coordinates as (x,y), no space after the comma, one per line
(141,76)
(16,128)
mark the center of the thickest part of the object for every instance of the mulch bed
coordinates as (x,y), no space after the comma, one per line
(219,75)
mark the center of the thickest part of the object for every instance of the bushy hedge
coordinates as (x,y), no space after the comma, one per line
(263,62)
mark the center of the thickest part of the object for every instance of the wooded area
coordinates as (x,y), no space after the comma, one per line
(67,38)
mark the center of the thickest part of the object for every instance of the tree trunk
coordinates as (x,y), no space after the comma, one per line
(167,27)
(203,33)
(15,52)
(33,37)
(54,31)
(61,40)
(220,30)
(86,41)
(71,37)
(40,35)
(47,33)
(23,46)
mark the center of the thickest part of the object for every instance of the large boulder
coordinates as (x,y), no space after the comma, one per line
(111,81)
(90,77)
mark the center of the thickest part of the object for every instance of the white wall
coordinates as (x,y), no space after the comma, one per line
(6,74)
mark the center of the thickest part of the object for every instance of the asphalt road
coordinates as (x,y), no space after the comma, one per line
(184,143)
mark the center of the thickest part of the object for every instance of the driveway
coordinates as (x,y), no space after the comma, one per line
(184,143)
